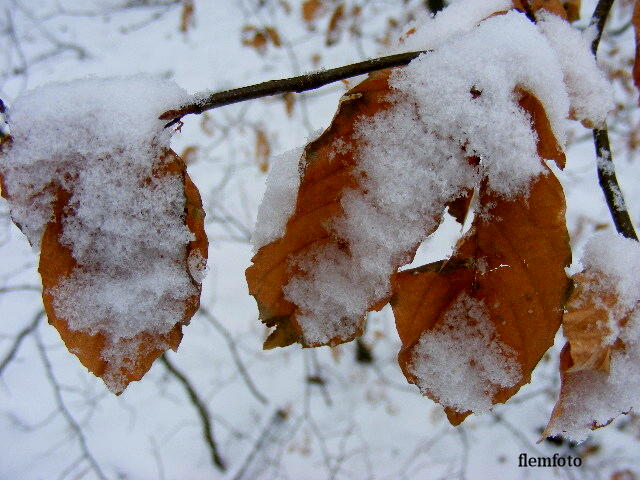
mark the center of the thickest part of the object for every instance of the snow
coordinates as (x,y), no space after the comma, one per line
(459,17)
(613,267)
(590,93)
(460,362)
(413,159)
(101,141)
(279,199)
(375,425)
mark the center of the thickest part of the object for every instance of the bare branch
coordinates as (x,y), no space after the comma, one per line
(606,170)
(201,408)
(276,422)
(309,81)
(73,424)
(22,334)
(233,348)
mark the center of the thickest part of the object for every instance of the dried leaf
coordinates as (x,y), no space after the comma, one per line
(635,19)
(263,149)
(311,9)
(334,30)
(586,325)
(95,351)
(326,176)
(459,208)
(190,154)
(598,358)
(186,16)
(496,304)
(553,6)
(254,38)
(573,9)
(274,36)
(289,103)
(505,283)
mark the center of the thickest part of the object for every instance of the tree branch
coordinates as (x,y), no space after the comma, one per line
(201,408)
(606,170)
(22,334)
(233,348)
(309,81)
(62,407)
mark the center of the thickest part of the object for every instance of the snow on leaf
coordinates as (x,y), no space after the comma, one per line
(404,145)
(555,7)
(92,183)
(326,171)
(474,326)
(599,364)
(590,93)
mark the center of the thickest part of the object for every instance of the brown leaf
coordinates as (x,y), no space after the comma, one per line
(274,36)
(289,103)
(573,9)
(553,6)
(586,326)
(507,274)
(186,16)
(593,328)
(190,154)
(459,208)
(263,149)
(547,145)
(635,19)
(334,30)
(57,263)
(255,38)
(497,301)
(311,9)
(327,175)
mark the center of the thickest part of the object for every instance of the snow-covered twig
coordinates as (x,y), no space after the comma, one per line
(606,170)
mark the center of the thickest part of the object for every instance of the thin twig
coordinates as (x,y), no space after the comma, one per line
(22,334)
(201,408)
(277,420)
(606,169)
(73,424)
(309,81)
(233,348)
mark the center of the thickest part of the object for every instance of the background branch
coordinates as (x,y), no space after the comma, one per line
(606,169)
(201,408)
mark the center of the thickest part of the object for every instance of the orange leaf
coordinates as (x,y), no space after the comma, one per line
(311,9)
(263,150)
(335,25)
(124,360)
(573,9)
(553,6)
(599,361)
(473,327)
(326,176)
(186,16)
(635,19)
